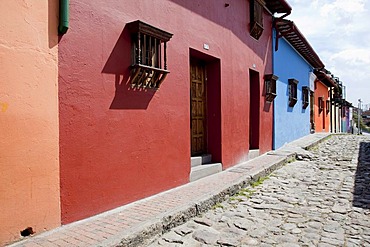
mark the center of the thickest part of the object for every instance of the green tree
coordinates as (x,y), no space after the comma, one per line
(362,124)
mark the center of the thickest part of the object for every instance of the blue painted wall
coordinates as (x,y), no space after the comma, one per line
(290,123)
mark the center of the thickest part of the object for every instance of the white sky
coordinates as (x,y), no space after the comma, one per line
(339,32)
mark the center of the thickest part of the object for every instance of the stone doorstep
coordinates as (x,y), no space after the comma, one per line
(253,153)
(199,160)
(205,170)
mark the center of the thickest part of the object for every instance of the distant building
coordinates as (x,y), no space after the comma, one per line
(322,105)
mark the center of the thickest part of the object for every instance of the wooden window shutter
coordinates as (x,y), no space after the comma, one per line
(256,18)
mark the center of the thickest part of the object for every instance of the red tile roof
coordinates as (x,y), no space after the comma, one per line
(291,33)
(326,79)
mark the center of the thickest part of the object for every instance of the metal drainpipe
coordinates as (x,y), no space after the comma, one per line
(63,16)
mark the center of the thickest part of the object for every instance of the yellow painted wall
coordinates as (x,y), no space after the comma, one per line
(29,163)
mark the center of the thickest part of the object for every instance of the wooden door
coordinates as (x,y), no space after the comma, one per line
(254,111)
(198,108)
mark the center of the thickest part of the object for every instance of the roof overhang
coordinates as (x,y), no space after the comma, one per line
(349,104)
(324,78)
(288,30)
(278,6)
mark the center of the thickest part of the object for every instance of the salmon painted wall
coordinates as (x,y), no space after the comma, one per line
(322,119)
(118,145)
(29,177)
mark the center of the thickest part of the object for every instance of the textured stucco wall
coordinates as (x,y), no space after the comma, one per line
(322,119)
(290,123)
(118,145)
(29,175)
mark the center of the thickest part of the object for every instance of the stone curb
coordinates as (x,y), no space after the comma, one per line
(317,142)
(144,233)
(141,235)
(234,178)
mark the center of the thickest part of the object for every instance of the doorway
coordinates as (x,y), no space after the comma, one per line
(205,106)
(254,112)
(323,117)
(198,107)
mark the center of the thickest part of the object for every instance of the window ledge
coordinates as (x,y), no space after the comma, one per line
(270,87)
(292,102)
(270,97)
(143,76)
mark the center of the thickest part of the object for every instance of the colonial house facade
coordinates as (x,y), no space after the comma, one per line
(294,63)
(322,101)
(146,88)
(128,102)
(340,116)
(111,102)
(29,159)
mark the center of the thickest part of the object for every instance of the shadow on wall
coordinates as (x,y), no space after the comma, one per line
(53,12)
(225,16)
(361,193)
(119,63)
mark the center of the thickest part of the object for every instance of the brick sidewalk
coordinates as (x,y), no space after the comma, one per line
(135,223)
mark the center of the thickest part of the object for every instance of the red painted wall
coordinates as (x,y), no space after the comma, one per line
(322,119)
(118,145)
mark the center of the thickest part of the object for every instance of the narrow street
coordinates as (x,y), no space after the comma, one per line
(322,199)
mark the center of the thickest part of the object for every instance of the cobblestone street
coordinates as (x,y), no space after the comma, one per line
(321,199)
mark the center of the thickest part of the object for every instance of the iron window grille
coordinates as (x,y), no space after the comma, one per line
(256,18)
(292,92)
(270,87)
(149,55)
(305,97)
(327,106)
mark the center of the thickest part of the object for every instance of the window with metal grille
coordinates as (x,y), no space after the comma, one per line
(150,51)
(305,97)
(292,92)
(270,87)
(327,107)
(256,18)
(149,55)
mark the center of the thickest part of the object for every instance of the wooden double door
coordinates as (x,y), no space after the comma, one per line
(198,107)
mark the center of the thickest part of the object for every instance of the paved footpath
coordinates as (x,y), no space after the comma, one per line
(322,199)
(310,201)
